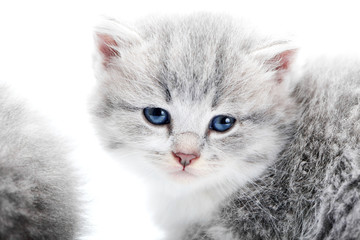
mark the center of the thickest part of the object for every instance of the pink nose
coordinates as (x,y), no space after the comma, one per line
(185,159)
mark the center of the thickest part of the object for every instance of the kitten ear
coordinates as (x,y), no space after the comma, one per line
(112,38)
(278,58)
(283,60)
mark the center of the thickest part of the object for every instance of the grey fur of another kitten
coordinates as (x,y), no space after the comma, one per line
(38,186)
(289,166)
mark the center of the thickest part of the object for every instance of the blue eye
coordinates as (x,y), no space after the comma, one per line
(221,123)
(157,116)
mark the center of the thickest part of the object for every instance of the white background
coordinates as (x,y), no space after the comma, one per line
(45,54)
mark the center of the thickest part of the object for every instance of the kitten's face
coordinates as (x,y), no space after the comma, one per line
(189,103)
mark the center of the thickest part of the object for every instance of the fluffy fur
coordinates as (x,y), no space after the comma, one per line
(313,190)
(38,199)
(200,66)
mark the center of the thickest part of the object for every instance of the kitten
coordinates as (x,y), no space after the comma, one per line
(207,111)
(38,198)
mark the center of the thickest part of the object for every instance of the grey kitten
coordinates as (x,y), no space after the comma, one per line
(233,145)
(38,194)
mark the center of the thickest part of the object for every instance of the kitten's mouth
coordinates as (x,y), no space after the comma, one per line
(182,174)
(183,171)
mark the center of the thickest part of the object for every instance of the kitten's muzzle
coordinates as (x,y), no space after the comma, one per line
(186,148)
(185,159)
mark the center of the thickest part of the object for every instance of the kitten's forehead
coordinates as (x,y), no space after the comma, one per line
(195,55)
(202,58)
